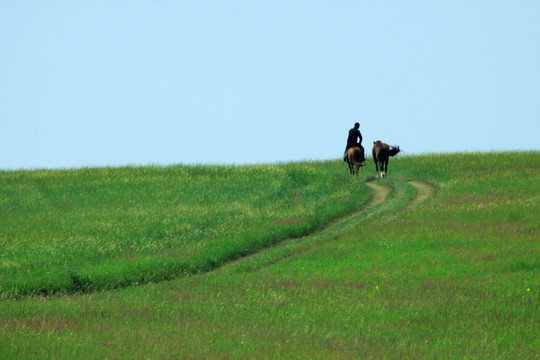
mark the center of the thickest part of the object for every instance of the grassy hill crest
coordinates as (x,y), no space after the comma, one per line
(314,266)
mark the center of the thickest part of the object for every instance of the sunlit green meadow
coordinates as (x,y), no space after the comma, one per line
(68,231)
(457,276)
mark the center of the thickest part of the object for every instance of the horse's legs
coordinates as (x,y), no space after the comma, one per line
(376,165)
(385,167)
(381,169)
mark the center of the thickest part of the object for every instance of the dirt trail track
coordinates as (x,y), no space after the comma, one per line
(380,197)
(381,193)
(423,192)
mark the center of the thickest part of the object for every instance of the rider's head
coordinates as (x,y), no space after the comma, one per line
(356,125)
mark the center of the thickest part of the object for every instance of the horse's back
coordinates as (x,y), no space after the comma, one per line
(354,154)
(377,147)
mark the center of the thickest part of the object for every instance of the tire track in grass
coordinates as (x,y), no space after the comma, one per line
(378,197)
(383,199)
(423,192)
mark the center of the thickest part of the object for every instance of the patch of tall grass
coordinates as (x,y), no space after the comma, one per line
(89,229)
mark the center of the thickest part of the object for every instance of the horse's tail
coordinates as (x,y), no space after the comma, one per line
(359,155)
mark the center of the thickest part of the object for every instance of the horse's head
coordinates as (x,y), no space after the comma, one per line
(394,150)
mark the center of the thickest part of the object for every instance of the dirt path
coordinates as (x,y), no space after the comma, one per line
(423,192)
(291,247)
(380,194)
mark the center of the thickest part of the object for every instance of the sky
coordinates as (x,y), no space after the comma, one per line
(113,83)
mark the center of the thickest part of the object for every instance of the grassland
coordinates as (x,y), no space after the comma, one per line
(456,276)
(92,229)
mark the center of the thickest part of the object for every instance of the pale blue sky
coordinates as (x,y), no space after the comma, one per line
(99,83)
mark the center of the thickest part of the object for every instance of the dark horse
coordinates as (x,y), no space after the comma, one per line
(355,158)
(381,152)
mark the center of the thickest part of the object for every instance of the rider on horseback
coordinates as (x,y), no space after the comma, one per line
(354,134)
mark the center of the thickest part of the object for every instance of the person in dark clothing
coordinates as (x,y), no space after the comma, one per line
(354,139)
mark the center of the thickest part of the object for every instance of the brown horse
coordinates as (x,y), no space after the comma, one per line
(355,158)
(381,152)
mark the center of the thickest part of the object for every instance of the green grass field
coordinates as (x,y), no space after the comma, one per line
(273,262)
(94,229)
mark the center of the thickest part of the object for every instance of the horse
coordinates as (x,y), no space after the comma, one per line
(381,152)
(355,158)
